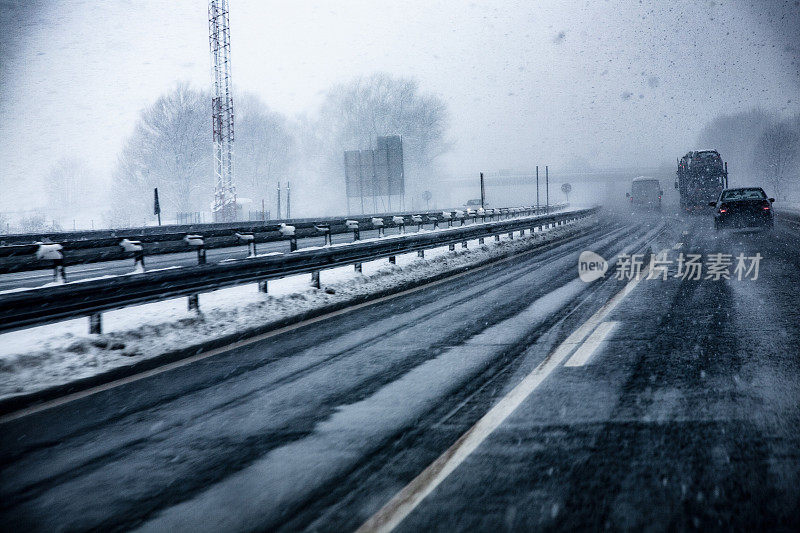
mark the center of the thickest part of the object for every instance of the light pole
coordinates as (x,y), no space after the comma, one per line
(547,189)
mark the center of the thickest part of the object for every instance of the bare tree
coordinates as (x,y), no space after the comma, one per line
(735,137)
(68,187)
(36,223)
(777,154)
(170,149)
(265,148)
(354,114)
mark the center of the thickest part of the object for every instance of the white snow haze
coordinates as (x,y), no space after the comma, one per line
(525,83)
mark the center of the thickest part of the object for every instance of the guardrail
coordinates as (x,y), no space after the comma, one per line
(45,305)
(103,246)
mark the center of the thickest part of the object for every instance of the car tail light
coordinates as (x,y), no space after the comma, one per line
(765,206)
(723,210)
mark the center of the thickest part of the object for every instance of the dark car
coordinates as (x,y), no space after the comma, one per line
(744,207)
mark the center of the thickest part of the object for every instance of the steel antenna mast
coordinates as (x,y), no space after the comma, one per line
(222,111)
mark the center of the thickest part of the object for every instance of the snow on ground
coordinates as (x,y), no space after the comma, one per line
(45,356)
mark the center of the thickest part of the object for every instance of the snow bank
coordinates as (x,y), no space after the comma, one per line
(51,355)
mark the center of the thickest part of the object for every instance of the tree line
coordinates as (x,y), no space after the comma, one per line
(760,147)
(170,147)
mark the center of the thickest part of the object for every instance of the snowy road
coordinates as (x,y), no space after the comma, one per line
(667,404)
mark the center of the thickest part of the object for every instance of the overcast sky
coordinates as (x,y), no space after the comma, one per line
(611,82)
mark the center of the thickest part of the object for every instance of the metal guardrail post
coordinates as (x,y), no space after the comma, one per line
(52,252)
(392,259)
(315,279)
(451,247)
(134,247)
(59,271)
(263,286)
(377,222)
(250,240)
(325,229)
(95,324)
(289,231)
(464,244)
(359,268)
(197,241)
(497,237)
(480,240)
(138,259)
(353,225)
(400,222)
(421,253)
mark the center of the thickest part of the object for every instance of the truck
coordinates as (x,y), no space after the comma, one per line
(701,177)
(645,193)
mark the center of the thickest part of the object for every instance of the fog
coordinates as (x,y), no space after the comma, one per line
(575,85)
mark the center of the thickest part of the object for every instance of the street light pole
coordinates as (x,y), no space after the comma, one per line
(279,200)
(288,201)
(547,188)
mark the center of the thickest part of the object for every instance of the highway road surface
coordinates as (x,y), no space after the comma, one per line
(513,397)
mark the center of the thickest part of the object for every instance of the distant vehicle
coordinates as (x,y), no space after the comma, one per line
(475,203)
(645,192)
(701,177)
(743,207)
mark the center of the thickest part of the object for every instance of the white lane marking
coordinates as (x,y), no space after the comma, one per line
(405,501)
(678,246)
(587,349)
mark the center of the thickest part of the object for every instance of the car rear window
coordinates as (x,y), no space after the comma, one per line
(642,187)
(744,194)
